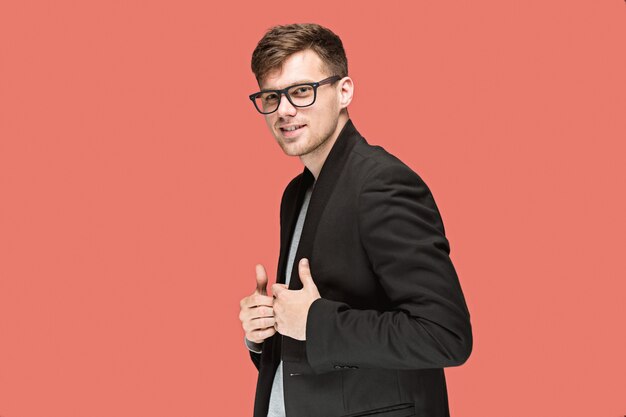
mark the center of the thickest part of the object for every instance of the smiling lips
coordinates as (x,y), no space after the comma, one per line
(291,131)
(291,128)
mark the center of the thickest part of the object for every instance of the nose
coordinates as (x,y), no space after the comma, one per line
(285,108)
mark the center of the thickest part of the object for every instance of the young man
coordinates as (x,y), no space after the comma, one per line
(367,309)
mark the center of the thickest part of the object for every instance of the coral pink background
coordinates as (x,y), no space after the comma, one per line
(139,187)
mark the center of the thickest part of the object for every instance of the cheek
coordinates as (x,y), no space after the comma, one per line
(269,121)
(327,123)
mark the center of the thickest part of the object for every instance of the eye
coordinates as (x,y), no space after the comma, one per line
(301,90)
(268,98)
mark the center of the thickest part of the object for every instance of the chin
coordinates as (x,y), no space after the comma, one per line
(293,148)
(295,151)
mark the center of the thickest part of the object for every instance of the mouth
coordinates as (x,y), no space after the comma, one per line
(291,132)
(291,128)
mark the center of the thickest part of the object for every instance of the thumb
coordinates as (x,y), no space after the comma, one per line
(261,280)
(304,272)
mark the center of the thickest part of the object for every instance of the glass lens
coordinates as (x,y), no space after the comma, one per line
(267,102)
(302,95)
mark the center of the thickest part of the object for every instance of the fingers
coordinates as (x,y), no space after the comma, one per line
(259,329)
(258,336)
(261,280)
(256,300)
(258,324)
(256,312)
(304,271)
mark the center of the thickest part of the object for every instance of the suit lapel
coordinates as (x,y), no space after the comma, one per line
(292,204)
(324,186)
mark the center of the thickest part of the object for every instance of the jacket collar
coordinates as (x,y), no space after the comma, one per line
(324,186)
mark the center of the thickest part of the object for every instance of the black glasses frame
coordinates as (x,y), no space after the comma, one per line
(285,91)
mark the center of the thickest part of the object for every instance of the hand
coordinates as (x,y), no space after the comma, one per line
(257,313)
(291,307)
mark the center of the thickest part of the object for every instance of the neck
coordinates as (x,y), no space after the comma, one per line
(315,160)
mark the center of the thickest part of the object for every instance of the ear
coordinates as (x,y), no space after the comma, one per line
(346,90)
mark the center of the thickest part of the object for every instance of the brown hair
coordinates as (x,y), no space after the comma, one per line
(280,42)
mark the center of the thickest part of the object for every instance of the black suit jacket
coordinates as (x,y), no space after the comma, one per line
(392,313)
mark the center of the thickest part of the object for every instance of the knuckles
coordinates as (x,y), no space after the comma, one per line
(259,299)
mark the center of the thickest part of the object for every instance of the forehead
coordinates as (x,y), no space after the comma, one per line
(303,66)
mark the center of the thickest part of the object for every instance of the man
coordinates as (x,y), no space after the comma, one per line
(367,309)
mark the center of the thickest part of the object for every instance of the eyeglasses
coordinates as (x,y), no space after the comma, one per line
(299,95)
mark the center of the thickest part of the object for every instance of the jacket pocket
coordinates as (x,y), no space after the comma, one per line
(396,410)
(371,389)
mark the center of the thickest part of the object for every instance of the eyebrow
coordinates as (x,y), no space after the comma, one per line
(289,85)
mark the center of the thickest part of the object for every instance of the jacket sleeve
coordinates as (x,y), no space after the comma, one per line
(255,351)
(428,323)
(253,346)
(256,359)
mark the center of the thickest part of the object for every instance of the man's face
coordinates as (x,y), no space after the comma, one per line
(314,124)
